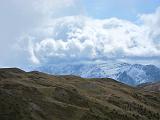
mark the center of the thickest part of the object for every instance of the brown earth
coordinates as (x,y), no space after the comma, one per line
(39,96)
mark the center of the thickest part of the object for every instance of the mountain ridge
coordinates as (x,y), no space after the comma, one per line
(132,74)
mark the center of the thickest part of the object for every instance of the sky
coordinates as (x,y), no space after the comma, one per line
(40,32)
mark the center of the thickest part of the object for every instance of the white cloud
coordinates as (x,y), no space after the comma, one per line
(52,37)
(57,8)
(21,16)
(152,24)
(77,38)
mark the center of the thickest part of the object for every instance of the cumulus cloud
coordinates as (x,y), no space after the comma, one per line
(18,17)
(152,24)
(80,38)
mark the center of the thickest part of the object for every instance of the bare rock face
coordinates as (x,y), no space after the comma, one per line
(39,96)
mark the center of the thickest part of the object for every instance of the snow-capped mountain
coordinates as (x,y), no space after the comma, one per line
(132,74)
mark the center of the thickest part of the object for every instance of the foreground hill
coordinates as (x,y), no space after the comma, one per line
(39,96)
(131,74)
(154,87)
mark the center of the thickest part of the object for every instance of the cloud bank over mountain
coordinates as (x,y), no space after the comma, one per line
(81,38)
(52,31)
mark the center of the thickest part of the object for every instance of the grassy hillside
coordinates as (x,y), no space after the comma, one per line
(38,96)
(151,87)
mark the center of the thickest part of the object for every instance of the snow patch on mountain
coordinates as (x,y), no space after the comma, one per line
(131,74)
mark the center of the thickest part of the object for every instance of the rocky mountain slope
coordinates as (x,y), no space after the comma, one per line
(39,96)
(132,74)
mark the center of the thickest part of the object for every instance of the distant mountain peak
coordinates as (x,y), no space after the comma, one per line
(132,74)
